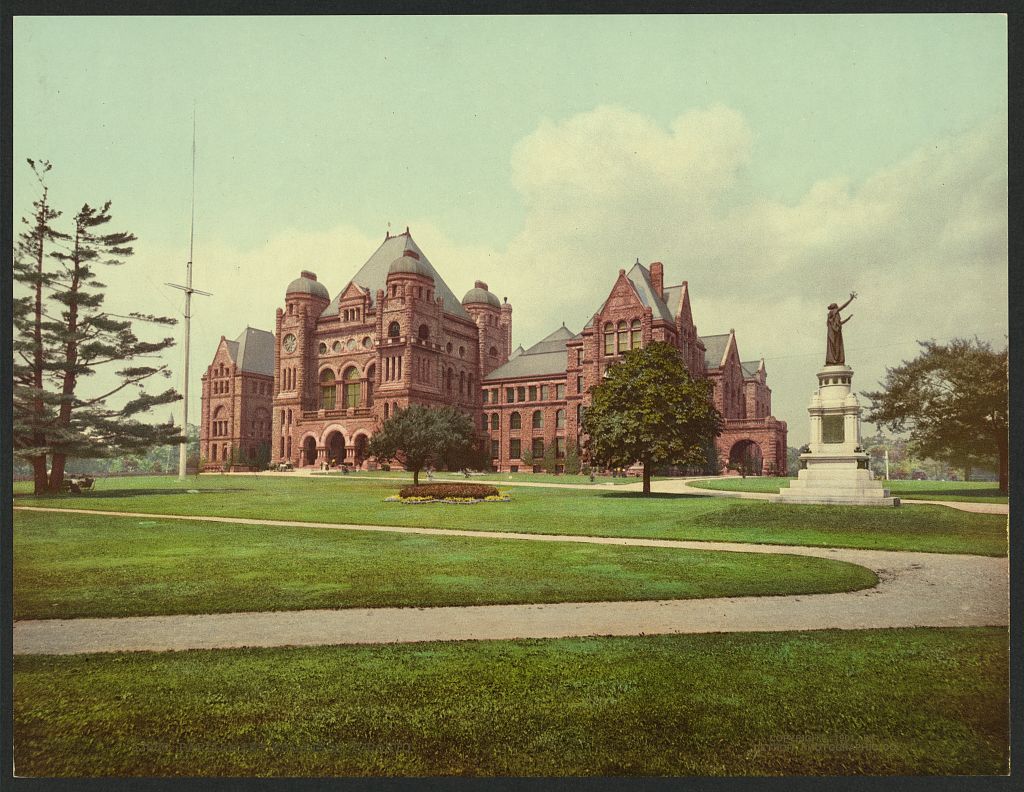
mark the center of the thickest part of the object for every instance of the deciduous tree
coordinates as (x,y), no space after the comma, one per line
(649,410)
(953,400)
(419,436)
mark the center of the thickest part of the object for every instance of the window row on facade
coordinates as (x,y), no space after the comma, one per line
(351,388)
(525,393)
(620,337)
(537,448)
(492,421)
(337,347)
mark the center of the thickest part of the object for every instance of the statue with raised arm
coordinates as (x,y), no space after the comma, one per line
(834,353)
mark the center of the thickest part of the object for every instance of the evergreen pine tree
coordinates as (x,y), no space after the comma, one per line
(84,337)
(33,405)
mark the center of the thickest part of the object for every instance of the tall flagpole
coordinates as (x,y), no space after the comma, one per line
(189,291)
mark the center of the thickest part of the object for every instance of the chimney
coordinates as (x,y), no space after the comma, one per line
(658,278)
(480,285)
(307,274)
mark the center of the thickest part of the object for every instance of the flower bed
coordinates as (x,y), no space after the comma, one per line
(449,493)
(448,490)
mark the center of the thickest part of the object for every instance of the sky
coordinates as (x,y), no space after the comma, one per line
(776,163)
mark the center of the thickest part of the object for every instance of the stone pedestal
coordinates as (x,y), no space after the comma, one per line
(835,467)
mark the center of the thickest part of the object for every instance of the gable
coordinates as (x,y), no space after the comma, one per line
(373,275)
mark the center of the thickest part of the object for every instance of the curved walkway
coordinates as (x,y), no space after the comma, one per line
(914,590)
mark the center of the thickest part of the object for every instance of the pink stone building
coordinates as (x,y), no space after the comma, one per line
(396,335)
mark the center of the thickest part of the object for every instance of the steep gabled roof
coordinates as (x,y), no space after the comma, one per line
(714,349)
(640,277)
(374,273)
(752,367)
(544,358)
(253,351)
(555,342)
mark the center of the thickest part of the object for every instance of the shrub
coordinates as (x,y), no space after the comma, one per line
(448,491)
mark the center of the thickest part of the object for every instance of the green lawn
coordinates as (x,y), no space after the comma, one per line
(508,478)
(964,491)
(347,499)
(886,702)
(68,566)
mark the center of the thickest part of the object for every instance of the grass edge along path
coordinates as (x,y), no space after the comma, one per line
(92,565)
(908,490)
(886,702)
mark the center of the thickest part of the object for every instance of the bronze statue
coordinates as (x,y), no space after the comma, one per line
(834,353)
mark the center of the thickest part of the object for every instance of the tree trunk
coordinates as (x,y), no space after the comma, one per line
(647,479)
(416,477)
(39,474)
(967,472)
(71,360)
(38,409)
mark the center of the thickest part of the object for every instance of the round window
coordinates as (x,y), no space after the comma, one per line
(367,343)
(323,348)
(462,351)
(288,342)
(350,344)
(449,347)
(336,346)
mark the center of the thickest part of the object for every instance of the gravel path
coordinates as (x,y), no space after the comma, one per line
(914,590)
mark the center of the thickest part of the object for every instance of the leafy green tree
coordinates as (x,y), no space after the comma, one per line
(953,400)
(649,410)
(419,436)
(76,337)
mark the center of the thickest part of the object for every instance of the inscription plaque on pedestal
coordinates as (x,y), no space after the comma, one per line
(832,429)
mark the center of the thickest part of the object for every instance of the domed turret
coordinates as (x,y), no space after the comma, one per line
(479,294)
(409,264)
(307,283)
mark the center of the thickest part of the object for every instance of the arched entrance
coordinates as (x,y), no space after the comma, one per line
(309,451)
(335,445)
(360,450)
(745,456)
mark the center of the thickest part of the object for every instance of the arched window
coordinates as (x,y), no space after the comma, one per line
(327,390)
(560,419)
(424,332)
(492,352)
(213,450)
(483,422)
(448,380)
(462,382)
(623,337)
(538,419)
(495,419)
(394,330)
(609,339)
(371,375)
(634,334)
(515,421)
(386,410)
(351,387)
